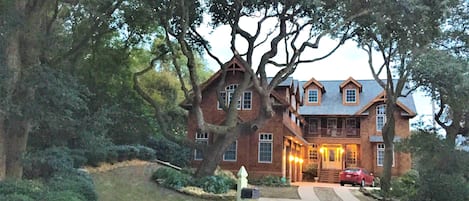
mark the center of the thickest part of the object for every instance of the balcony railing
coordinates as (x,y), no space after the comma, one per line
(333,132)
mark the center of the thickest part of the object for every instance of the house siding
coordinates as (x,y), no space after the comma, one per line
(291,140)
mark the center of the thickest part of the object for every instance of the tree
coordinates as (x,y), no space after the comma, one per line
(439,166)
(38,35)
(298,27)
(449,90)
(399,31)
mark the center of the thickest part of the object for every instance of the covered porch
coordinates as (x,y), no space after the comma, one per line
(328,159)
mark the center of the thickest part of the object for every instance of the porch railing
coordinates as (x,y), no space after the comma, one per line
(333,132)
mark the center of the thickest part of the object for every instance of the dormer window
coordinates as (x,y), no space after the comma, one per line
(350,89)
(313,92)
(313,96)
(350,96)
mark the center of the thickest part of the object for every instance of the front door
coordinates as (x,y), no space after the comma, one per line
(332,156)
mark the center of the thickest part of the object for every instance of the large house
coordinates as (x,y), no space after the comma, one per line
(330,124)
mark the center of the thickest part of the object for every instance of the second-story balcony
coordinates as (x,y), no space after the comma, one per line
(333,132)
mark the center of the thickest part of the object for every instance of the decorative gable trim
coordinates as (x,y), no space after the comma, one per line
(382,98)
(353,81)
(235,64)
(315,82)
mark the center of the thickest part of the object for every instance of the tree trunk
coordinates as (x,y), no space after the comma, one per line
(17,139)
(453,130)
(388,138)
(214,154)
(2,148)
(212,158)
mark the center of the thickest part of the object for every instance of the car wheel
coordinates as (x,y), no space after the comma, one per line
(341,183)
(362,184)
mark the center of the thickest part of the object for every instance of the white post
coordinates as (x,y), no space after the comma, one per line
(242,182)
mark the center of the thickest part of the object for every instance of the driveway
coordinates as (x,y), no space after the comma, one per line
(323,192)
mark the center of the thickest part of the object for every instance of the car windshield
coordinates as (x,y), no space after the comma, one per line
(352,170)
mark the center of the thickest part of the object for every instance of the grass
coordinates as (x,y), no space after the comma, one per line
(133,183)
(279,192)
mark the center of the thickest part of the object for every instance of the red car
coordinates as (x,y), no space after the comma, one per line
(356,176)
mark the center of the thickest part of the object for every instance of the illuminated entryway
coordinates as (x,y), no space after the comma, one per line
(331,156)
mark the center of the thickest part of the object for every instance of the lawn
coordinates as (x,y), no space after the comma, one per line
(279,192)
(133,183)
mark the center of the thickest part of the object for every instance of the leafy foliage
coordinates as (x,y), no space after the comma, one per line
(271,180)
(46,162)
(439,166)
(21,190)
(74,181)
(171,178)
(405,186)
(216,184)
(176,179)
(169,151)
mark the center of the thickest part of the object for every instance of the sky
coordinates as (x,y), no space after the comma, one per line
(347,61)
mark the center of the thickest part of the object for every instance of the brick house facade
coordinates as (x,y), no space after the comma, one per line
(328,124)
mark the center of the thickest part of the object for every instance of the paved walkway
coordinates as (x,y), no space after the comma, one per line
(306,192)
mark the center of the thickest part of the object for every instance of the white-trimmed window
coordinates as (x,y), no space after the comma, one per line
(203,139)
(380,155)
(245,101)
(265,147)
(313,152)
(380,117)
(230,153)
(350,95)
(313,96)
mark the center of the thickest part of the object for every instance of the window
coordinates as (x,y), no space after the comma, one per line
(351,157)
(247,100)
(203,139)
(350,96)
(312,96)
(313,152)
(230,153)
(380,117)
(380,155)
(313,125)
(265,148)
(350,126)
(332,126)
(246,97)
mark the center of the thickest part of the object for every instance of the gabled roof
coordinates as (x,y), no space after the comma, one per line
(350,80)
(235,64)
(332,103)
(317,83)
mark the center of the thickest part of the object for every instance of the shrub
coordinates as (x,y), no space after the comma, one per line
(405,187)
(310,171)
(74,181)
(169,151)
(78,156)
(112,155)
(126,152)
(21,190)
(145,153)
(15,197)
(45,162)
(215,184)
(96,156)
(171,178)
(63,196)
(270,180)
